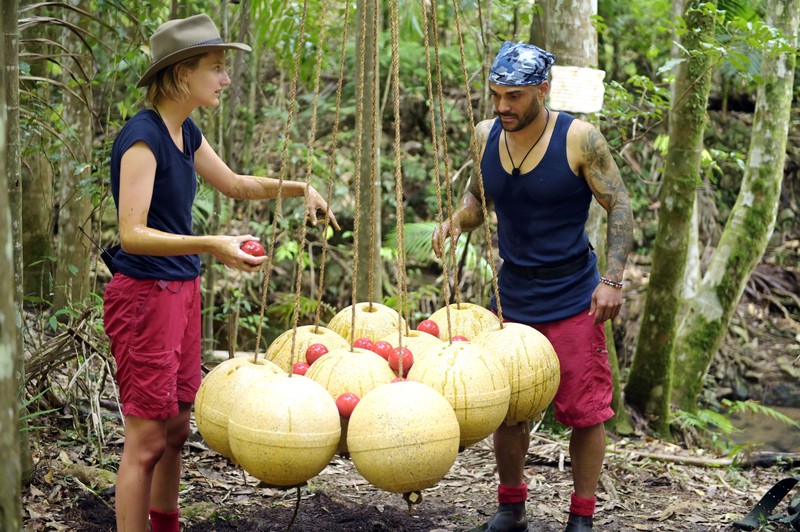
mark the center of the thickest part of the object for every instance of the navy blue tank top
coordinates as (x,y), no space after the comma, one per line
(541,217)
(174,189)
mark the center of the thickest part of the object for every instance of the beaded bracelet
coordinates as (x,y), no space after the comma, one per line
(609,282)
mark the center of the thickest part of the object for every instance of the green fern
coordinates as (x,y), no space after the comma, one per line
(704,420)
(283,309)
(736,407)
(418,241)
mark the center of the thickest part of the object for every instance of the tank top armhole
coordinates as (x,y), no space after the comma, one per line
(562,128)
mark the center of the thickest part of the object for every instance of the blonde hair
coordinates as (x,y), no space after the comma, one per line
(167,84)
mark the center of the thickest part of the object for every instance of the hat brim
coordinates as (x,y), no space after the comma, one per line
(180,55)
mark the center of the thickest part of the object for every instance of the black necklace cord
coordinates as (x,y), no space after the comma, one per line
(516,169)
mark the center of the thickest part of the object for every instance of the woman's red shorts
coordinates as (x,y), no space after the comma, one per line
(154,328)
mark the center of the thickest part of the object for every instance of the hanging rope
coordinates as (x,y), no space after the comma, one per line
(402,286)
(447,169)
(476,154)
(434,125)
(309,169)
(332,163)
(282,175)
(374,172)
(359,131)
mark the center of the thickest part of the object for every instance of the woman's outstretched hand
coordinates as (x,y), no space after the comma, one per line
(317,204)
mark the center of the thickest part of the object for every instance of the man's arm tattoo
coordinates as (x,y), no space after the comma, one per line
(604,179)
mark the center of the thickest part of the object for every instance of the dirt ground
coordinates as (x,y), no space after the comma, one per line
(643,487)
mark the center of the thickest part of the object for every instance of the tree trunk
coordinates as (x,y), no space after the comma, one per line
(10,350)
(569,33)
(369,215)
(13,171)
(37,219)
(37,189)
(73,250)
(649,383)
(751,221)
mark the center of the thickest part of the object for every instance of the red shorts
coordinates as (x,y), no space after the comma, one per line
(584,395)
(154,328)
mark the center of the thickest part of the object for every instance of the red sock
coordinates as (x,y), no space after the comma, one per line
(581,506)
(164,521)
(512,494)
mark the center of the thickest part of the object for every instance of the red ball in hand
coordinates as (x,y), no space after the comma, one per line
(315,351)
(346,403)
(408,359)
(254,248)
(383,348)
(429,326)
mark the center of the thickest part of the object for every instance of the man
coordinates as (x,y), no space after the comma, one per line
(540,170)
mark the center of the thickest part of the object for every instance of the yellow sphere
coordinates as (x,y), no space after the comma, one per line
(420,343)
(373,322)
(473,381)
(532,366)
(358,371)
(218,394)
(280,350)
(403,437)
(467,320)
(284,431)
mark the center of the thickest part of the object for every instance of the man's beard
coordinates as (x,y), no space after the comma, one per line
(522,121)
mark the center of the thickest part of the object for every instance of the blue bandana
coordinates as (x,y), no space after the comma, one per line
(521,64)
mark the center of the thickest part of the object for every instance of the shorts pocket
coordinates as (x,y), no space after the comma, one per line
(154,376)
(601,376)
(600,349)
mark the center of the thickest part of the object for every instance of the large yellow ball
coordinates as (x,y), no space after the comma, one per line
(421,344)
(280,350)
(373,322)
(359,372)
(532,366)
(218,395)
(403,437)
(342,370)
(466,320)
(284,431)
(473,381)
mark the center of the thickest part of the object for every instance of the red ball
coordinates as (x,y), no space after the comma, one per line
(383,348)
(315,351)
(460,338)
(254,248)
(364,343)
(408,360)
(429,326)
(299,368)
(346,403)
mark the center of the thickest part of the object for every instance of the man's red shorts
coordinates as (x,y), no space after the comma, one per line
(154,327)
(584,395)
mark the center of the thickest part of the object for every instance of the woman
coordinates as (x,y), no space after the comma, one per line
(152,305)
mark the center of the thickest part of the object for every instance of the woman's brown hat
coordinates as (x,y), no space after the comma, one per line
(179,39)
